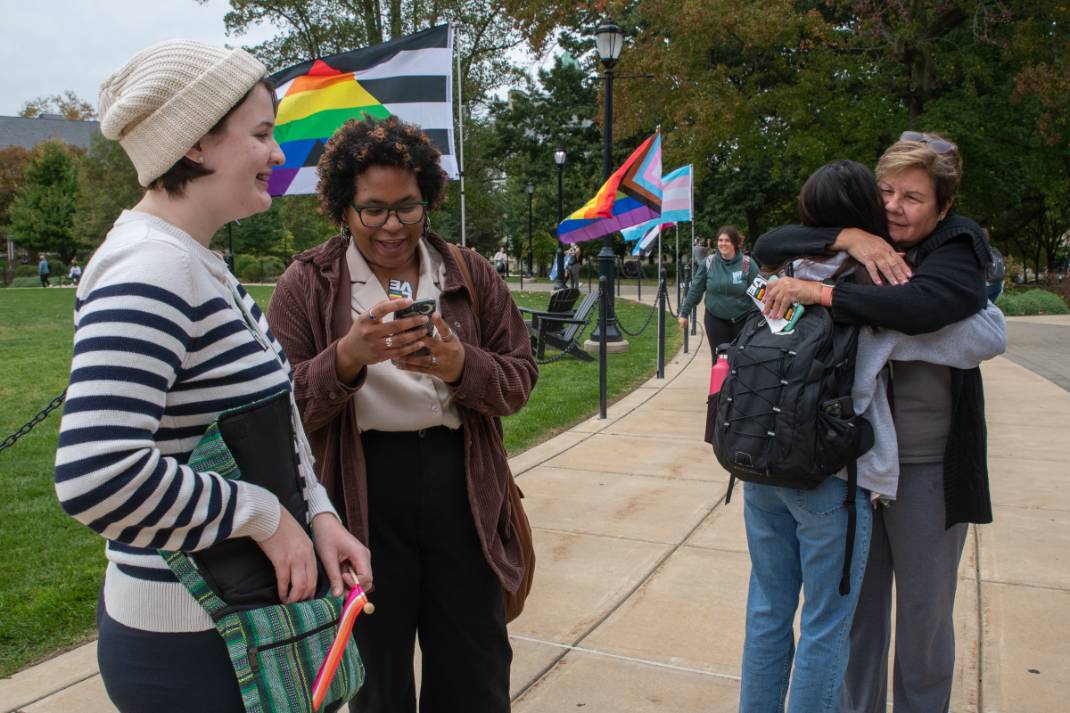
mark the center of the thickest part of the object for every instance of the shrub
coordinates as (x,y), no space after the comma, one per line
(252,269)
(1031,302)
(27,281)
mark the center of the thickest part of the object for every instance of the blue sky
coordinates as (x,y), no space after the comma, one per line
(49,46)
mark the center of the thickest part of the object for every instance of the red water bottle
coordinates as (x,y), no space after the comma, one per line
(719,372)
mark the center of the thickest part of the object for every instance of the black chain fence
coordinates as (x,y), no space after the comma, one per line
(29,425)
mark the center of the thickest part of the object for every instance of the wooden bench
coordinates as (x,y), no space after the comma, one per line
(562,331)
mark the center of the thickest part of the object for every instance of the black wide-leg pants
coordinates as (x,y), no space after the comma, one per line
(431,581)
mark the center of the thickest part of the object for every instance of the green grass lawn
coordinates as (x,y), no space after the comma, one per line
(52,566)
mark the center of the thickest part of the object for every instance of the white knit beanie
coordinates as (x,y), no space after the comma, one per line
(168,96)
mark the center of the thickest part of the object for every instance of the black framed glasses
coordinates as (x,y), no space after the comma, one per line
(937,145)
(375,216)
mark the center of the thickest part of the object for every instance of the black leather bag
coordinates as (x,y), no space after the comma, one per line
(260,439)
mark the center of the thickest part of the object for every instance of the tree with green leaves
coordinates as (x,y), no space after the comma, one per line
(316,28)
(42,213)
(107,184)
(758,95)
(301,218)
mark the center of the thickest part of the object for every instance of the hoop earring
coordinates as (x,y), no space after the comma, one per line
(427,225)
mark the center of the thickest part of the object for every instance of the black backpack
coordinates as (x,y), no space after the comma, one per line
(996,270)
(784,414)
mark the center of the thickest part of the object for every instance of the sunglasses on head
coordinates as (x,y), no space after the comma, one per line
(937,145)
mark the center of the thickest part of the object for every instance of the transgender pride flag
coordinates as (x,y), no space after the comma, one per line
(675,208)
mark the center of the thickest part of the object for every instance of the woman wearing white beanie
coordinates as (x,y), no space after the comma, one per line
(165,340)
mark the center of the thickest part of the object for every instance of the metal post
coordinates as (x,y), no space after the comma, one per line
(531,196)
(607,258)
(559,283)
(661,326)
(460,147)
(604,298)
(676,263)
(230,249)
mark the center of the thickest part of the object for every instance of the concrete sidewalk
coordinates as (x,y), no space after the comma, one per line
(642,569)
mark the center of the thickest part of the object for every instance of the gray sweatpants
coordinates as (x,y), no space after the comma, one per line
(910,543)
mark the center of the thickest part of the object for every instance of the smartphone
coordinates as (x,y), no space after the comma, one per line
(424,307)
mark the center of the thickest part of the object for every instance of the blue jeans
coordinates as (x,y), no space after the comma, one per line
(796,541)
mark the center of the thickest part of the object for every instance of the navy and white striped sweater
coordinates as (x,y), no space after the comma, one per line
(160,348)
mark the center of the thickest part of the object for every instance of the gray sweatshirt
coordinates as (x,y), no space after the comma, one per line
(962,345)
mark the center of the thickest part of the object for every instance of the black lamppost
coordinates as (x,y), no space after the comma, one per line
(559,159)
(531,194)
(608,38)
(229,258)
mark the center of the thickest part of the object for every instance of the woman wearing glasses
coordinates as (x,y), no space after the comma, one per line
(938,415)
(405,426)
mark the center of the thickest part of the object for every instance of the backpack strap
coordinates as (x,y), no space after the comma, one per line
(849,541)
(746,266)
(709,262)
(466,275)
(731,485)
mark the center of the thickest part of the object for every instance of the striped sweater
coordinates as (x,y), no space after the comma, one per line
(160,348)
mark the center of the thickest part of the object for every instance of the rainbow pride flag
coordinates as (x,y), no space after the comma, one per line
(410,77)
(632,195)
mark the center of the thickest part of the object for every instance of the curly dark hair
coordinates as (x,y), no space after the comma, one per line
(358,145)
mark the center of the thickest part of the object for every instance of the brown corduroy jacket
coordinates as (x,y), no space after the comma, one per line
(310,311)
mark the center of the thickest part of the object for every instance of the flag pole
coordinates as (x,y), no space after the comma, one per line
(460,143)
(676,263)
(691,209)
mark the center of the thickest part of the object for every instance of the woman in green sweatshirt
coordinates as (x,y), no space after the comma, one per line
(724,276)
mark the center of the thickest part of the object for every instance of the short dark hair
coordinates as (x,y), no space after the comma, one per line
(174,180)
(733,234)
(843,194)
(358,145)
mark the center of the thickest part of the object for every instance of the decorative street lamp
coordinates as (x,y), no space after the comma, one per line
(559,159)
(531,194)
(608,39)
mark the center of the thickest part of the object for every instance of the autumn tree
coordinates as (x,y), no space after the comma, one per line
(68,105)
(13,160)
(758,95)
(42,213)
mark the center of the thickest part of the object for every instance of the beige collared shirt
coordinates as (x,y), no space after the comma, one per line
(392,399)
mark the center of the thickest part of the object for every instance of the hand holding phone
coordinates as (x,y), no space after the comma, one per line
(420,307)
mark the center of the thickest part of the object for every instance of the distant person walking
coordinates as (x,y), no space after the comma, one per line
(699,251)
(43,270)
(572,266)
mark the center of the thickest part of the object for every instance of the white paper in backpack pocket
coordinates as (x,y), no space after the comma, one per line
(757,291)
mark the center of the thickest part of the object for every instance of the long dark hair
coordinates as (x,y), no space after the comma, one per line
(843,194)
